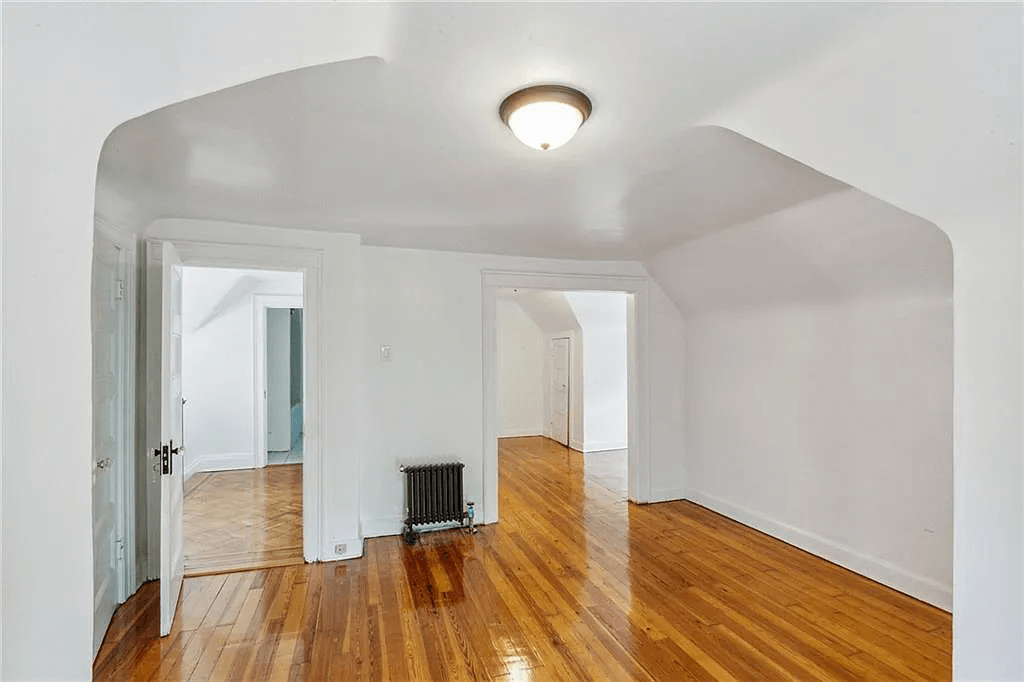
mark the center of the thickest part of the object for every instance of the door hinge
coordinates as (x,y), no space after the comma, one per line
(120,290)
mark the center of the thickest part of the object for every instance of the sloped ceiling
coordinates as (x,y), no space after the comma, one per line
(598,309)
(404,147)
(549,310)
(840,247)
(215,291)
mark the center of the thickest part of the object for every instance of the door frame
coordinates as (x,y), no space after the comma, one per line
(637,357)
(125,471)
(310,263)
(128,569)
(568,387)
(261,303)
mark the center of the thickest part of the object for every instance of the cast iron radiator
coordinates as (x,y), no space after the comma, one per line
(433,494)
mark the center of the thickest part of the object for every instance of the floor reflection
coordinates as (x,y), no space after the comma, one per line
(574,583)
(249,518)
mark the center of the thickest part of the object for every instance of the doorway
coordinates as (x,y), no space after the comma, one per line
(559,389)
(283,395)
(598,430)
(238,512)
(165,485)
(112,475)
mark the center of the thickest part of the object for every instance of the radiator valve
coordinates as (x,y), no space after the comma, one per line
(470,513)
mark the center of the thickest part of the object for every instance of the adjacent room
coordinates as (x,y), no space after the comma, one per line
(242,387)
(563,382)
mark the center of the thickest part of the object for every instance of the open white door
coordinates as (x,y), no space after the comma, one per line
(164,331)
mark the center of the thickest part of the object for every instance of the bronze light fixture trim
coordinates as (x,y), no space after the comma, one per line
(545,116)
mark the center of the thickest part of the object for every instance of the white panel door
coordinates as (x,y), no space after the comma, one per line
(107,432)
(166,276)
(559,419)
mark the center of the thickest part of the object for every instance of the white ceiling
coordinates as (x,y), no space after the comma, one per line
(406,148)
(210,293)
(549,310)
(599,309)
(841,247)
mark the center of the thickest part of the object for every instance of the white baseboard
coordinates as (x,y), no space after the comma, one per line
(668,495)
(601,451)
(520,432)
(224,462)
(388,525)
(922,588)
(604,445)
(574,444)
(353,549)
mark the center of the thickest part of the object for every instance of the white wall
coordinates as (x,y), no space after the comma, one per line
(551,312)
(218,360)
(521,388)
(279,431)
(666,353)
(793,319)
(602,316)
(831,427)
(427,401)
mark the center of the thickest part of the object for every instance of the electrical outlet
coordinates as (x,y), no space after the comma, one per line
(340,548)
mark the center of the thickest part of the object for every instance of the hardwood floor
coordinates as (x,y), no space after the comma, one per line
(574,583)
(244,519)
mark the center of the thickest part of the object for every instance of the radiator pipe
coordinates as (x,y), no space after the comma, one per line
(470,513)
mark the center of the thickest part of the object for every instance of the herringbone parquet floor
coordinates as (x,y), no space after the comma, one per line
(244,519)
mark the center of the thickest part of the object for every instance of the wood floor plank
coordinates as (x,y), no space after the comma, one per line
(574,583)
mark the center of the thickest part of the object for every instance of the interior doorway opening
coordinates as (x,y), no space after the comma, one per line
(562,371)
(163,418)
(239,402)
(113,480)
(284,386)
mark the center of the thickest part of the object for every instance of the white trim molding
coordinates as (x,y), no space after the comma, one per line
(604,446)
(521,432)
(260,304)
(637,363)
(223,462)
(668,494)
(882,571)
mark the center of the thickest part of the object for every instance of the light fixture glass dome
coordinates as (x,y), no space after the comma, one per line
(545,116)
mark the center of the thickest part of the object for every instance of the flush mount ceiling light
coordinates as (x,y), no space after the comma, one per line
(545,116)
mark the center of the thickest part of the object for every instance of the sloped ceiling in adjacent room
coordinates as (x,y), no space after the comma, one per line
(549,310)
(223,289)
(599,309)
